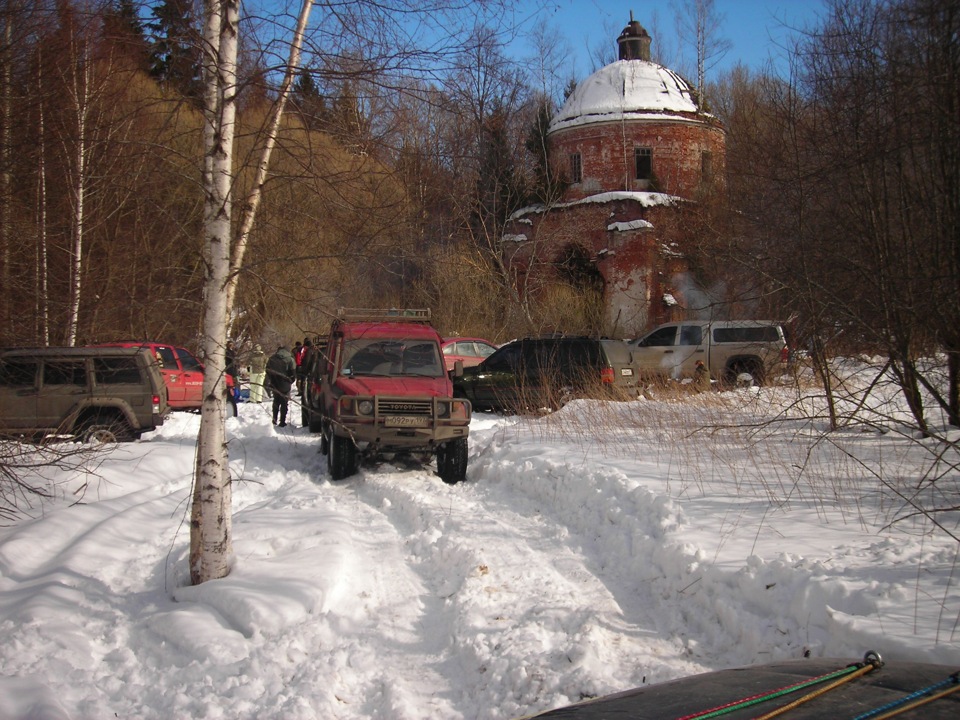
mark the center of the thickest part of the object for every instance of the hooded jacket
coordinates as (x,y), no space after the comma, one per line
(281,370)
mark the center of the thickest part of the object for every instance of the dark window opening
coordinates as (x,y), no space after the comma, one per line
(188,361)
(663,337)
(691,335)
(706,166)
(576,168)
(65,373)
(644,162)
(116,371)
(18,373)
(763,333)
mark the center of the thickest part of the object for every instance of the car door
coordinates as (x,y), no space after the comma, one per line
(172,374)
(655,353)
(63,388)
(691,348)
(496,382)
(18,394)
(191,378)
(546,371)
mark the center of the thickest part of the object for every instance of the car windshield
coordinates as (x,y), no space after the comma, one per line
(392,358)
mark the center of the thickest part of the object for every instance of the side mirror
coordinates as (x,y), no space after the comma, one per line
(458,368)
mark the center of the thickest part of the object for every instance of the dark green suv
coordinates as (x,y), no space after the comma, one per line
(101,394)
(544,373)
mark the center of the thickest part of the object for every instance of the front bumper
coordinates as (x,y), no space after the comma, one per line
(402,422)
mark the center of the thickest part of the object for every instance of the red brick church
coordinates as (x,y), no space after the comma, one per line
(637,150)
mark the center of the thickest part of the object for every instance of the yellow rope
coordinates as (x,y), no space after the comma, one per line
(918,703)
(817,693)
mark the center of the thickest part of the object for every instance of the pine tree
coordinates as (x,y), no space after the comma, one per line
(175,49)
(123,29)
(549,185)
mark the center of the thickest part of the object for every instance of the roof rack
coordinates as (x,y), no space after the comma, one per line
(421,315)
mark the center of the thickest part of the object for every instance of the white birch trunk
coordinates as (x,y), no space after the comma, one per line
(43,303)
(81,106)
(253,198)
(210,542)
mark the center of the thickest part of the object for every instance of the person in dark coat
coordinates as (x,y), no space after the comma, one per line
(233,377)
(281,372)
(230,358)
(301,360)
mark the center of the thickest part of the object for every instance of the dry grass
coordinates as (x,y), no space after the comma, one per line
(776,446)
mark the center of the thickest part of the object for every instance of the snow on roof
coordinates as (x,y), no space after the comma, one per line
(646,199)
(632,225)
(626,89)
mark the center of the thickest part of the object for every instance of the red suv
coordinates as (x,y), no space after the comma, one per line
(379,385)
(182,372)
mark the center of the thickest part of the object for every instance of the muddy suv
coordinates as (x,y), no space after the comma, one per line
(379,384)
(545,373)
(182,372)
(103,394)
(730,349)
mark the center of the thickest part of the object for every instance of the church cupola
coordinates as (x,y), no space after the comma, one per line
(634,42)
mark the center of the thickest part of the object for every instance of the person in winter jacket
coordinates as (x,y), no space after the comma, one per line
(281,372)
(303,352)
(258,373)
(233,377)
(701,377)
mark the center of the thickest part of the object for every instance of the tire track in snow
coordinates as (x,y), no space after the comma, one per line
(516,580)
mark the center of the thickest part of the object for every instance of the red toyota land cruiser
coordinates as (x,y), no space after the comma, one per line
(380,385)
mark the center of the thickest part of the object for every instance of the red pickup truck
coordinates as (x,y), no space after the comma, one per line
(379,385)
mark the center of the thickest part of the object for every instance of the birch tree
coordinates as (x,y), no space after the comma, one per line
(210,541)
(698,26)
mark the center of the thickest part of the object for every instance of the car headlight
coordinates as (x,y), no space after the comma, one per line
(459,410)
(365,407)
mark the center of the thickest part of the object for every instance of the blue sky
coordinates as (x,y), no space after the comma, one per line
(754,27)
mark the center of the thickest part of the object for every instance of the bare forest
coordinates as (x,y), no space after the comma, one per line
(403,151)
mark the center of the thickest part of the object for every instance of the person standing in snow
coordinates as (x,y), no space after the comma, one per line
(233,377)
(303,352)
(281,372)
(701,377)
(230,358)
(258,373)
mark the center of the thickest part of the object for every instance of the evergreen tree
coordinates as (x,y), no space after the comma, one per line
(175,49)
(123,29)
(549,185)
(500,186)
(309,102)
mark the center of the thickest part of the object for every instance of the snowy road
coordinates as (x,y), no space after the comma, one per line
(476,598)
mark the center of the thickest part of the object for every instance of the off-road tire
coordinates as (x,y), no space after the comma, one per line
(752,367)
(106,427)
(452,461)
(342,459)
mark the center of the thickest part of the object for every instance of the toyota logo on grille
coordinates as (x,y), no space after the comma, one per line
(404,406)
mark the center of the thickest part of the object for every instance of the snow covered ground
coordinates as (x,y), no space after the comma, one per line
(597,549)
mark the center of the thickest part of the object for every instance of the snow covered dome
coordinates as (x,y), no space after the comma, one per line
(626,90)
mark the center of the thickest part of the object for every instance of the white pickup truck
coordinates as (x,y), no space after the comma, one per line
(730,349)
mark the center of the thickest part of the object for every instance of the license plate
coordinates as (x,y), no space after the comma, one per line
(406,421)
(626,372)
